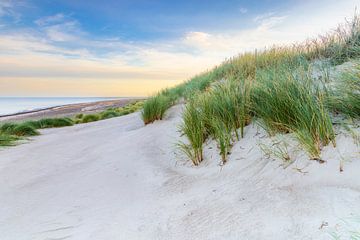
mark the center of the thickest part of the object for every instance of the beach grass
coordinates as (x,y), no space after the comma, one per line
(51,123)
(18,129)
(109,114)
(90,118)
(155,107)
(194,129)
(285,102)
(345,96)
(275,87)
(8,140)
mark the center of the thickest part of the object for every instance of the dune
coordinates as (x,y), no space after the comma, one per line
(119,179)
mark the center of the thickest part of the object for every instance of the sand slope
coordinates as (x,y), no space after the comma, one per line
(116,179)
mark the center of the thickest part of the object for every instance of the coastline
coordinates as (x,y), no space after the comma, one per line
(67,110)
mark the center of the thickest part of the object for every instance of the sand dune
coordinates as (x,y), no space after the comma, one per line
(117,179)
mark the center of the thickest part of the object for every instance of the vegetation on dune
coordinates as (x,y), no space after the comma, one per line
(345,95)
(340,45)
(109,113)
(195,131)
(91,118)
(18,129)
(285,101)
(273,86)
(154,108)
(51,123)
(219,113)
(7,140)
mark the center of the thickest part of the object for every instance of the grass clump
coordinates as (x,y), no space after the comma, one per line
(290,102)
(8,140)
(345,97)
(18,129)
(194,128)
(219,113)
(51,123)
(90,118)
(109,114)
(79,116)
(222,135)
(343,44)
(155,107)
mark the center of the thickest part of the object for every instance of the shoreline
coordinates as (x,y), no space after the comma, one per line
(67,110)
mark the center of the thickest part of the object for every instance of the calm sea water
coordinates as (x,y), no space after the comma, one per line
(10,105)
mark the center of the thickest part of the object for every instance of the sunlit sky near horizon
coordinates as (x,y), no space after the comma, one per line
(136,47)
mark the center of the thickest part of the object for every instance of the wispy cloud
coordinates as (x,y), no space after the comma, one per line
(8,9)
(49,20)
(243,10)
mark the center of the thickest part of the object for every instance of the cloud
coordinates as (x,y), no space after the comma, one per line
(243,10)
(64,32)
(8,9)
(50,19)
(60,28)
(269,20)
(5,7)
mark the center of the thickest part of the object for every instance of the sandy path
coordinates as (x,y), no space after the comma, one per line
(116,179)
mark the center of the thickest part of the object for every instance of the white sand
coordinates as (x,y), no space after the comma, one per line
(116,179)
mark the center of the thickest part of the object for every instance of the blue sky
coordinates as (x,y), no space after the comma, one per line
(149,20)
(104,48)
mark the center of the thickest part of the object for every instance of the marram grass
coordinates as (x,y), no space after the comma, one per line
(194,129)
(155,107)
(345,95)
(18,129)
(287,101)
(8,140)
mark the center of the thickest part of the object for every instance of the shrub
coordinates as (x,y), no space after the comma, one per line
(90,118)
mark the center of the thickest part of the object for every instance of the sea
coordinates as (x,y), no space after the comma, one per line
(11,105)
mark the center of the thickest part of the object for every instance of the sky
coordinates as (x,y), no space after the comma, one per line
(137,47)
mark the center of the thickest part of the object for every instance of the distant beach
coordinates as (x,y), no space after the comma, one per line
(18,109)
